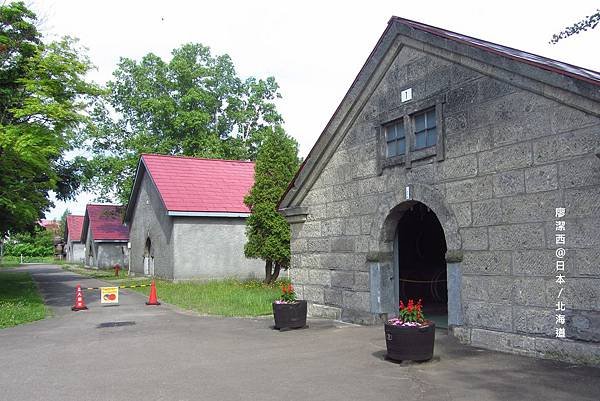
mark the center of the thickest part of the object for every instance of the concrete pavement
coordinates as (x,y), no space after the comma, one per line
(137,352)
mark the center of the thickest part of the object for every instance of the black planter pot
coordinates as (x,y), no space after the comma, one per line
(405,343)
(290,316)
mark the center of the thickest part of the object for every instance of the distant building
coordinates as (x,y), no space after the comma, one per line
(74,248)
(105,236)
(50,225)
(186,218)
(464,173)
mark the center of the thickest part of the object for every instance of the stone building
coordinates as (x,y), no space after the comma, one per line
(105,236)
(74,248)
(439,176)
(186,218)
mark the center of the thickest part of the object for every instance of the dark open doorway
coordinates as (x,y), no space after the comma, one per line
(421,249)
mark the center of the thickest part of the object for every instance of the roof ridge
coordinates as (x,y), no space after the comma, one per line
(544,62)
(196,158)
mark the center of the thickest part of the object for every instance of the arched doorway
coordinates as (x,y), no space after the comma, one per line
(420,260)
(148,258)
(90,256)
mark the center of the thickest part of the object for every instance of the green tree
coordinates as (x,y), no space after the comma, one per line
(193,105)
(267,231)
(38,243)
(63,224)
(589,22)
(42,98)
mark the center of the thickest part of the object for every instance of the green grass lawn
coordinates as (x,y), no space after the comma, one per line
(20,301)
(228,297)
(14,261)
(8,265)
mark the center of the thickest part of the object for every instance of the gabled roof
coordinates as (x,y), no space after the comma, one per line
(194,186)
(545,63)
(106,222)
(74,226)
(538,74)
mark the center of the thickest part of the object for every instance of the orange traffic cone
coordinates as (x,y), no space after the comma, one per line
(79,302)
(152,300)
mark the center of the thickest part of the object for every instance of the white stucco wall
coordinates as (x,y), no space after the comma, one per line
(75,252)
(150,220)
(212,248)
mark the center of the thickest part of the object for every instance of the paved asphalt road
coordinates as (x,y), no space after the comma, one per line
(166,354)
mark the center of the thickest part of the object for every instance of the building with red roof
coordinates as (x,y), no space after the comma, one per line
(105,236)
(74,248)
(452,172)
(186,217)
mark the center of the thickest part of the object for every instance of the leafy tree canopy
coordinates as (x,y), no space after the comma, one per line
(42,96)
(268,232)
(193,105)
(38,243)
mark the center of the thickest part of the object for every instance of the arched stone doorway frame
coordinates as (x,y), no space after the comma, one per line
(383,267)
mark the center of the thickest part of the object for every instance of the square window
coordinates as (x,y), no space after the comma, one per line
(425,129)
(395,140)
(410,134)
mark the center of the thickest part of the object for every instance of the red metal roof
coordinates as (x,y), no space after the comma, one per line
(106,222)
(74,225)
(515,54)
(189,184)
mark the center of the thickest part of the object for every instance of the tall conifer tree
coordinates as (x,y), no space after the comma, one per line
(267,231)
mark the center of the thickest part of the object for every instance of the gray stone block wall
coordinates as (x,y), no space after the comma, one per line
(511,157)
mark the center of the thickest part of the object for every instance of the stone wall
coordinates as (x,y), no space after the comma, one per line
(511,157)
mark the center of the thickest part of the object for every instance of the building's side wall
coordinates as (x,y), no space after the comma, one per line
(75,251)
(511,158)
(212,248)
(90,251)
(150,220)
(110,254)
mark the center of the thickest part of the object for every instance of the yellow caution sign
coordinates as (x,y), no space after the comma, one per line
(109,295)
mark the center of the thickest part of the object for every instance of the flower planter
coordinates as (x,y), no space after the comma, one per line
(412,343)
(289,315)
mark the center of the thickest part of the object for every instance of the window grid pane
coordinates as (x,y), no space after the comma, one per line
(399,130)
(401,146)
(425,129)
(420,122)
(391,149)
(390,131)
(395,139)
(420,140)
(431,136)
